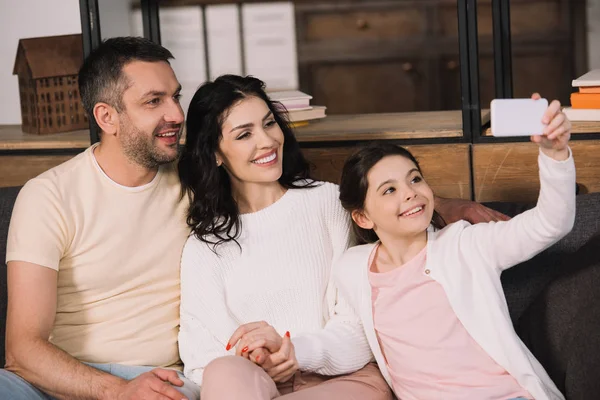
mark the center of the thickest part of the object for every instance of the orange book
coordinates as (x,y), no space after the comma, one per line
(589,89)
(585,100)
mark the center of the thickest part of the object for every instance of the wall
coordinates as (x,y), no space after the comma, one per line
(23,19)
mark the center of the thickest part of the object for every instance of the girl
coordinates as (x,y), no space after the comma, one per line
(265,236)
(430,300)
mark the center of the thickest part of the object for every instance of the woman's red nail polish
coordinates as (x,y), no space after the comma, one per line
(245,349)
(257,358)
(228,347)
(287,334)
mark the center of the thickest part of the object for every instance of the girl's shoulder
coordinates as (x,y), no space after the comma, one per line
(350,269)
(355,257)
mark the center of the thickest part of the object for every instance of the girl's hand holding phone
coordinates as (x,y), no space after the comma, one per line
(555,140)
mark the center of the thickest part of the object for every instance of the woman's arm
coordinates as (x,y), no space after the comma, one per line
(205,322)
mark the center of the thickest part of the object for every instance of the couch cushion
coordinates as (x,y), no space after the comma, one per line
(525,281)
(559,326)
(7,200)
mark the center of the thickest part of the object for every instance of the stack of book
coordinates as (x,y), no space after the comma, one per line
(298,107)
(585,103)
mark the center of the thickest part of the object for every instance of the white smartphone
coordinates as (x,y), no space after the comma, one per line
(517,117)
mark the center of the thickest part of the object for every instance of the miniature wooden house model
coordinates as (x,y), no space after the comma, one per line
(47,68)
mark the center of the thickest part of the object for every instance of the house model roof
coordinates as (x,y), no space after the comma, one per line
(47,57)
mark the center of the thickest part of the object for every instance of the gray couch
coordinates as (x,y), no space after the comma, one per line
(552,298)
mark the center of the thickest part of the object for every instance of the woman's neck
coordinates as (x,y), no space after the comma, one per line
(395,251)
(253,197)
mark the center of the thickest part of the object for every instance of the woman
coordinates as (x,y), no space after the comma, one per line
(255,272)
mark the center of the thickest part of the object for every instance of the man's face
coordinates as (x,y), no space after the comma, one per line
(151,121)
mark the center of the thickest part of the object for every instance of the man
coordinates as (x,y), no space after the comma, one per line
(94,246)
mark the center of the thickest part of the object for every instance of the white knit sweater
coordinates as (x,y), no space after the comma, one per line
(281,275)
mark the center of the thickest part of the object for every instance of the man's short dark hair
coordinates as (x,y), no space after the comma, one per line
(101,76)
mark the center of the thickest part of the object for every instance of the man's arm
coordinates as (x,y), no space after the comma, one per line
(452,210)
(29,354)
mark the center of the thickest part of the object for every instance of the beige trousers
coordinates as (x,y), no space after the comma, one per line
(235,377)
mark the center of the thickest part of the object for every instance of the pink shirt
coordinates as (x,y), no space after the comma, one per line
(429,353)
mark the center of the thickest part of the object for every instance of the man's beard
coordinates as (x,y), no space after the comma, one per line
(144,150)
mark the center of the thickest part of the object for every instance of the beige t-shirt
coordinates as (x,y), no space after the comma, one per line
(117,251)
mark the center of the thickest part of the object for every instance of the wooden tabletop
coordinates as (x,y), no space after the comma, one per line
(415,125)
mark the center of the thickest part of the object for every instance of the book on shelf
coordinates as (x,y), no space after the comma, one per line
(315,112)
(585,103)
(591,78)
(298,107)
(585,100)
(291,99)
(582,114)
(589,89)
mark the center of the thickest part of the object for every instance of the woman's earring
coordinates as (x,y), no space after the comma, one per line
(218,163)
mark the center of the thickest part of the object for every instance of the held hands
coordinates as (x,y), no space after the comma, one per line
(156,384)
(261,344)
(555,139)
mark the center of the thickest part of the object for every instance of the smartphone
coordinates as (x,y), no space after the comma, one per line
(517,117)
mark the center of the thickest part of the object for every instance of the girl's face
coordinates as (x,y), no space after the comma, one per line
(251,147)
(399,202)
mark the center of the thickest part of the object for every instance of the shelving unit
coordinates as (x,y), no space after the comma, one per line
(458,156)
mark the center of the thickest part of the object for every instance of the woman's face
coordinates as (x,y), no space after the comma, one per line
(399,202)
(251,147)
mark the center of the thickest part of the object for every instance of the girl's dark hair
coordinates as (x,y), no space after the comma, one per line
(354,183)
(213,210)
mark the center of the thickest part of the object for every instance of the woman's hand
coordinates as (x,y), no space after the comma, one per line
(252,336)
(282,365)
(260,343)
(555,139)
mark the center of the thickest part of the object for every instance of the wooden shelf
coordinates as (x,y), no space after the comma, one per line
(395,126)
(415,125)
(577,127)
(12,138)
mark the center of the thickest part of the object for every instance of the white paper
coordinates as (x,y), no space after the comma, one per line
(181,32)
(135,23)
(270,44)
(224,43)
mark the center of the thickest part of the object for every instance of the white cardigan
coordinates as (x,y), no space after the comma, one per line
(467,261)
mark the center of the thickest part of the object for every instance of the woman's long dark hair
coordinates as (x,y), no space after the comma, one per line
(213,210)
(354,183)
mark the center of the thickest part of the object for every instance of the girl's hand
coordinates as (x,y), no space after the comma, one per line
(555,139)
(282,365)
(252,336)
